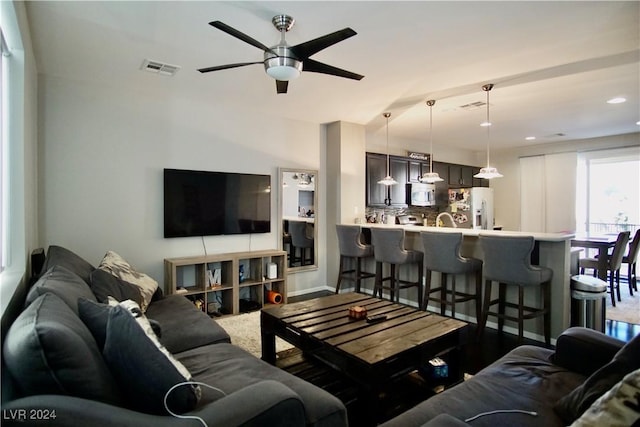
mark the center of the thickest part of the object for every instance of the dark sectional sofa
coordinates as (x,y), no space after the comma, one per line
(557,385)
(53,365)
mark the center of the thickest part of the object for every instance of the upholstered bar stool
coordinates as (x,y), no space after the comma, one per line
(301,240)
(507,260)
(442,254)
(388,247)
(352,247)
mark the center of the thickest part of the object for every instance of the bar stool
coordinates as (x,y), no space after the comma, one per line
(351,246)
(507,260)
(388,247)
(301,240)
(442,254)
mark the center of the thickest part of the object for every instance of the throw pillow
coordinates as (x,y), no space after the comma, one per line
(105,285)
(574,404)
(620,406)
(57,255)
(142,366)
(64,283)
(48,350)
(96,316)
(116,265)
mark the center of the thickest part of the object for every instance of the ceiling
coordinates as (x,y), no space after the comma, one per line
(554,64)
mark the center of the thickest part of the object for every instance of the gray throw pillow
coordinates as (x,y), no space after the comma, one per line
(145,370)
(105,285)
(574,404)
(57,255)
(67,285)
(48,350)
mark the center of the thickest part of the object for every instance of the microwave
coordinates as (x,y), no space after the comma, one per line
(423,194)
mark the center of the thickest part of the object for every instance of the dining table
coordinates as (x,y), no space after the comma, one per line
(601,242)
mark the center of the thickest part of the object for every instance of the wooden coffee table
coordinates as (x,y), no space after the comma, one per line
(372,354)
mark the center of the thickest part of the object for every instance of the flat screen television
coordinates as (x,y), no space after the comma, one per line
(200,203)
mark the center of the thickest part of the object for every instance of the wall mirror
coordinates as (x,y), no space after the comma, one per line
(298,219)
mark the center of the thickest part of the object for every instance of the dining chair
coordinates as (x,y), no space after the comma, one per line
(631,259)
(613,265)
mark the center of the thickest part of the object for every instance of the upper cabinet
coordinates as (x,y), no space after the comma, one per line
(382,195)
(461,176)
(406,171)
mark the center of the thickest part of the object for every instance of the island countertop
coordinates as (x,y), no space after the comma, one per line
(542,237)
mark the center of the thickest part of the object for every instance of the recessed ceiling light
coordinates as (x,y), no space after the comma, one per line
(485,124)
(618,100)
(638,122)
(530,138)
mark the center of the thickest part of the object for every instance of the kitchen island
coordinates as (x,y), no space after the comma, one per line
(551,250)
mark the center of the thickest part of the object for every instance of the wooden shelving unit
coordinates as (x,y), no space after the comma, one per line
(191,277)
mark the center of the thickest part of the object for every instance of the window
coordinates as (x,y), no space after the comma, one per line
(609,191)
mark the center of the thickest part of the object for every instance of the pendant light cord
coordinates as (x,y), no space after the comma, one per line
(387,115)
(488,130)
(431,136)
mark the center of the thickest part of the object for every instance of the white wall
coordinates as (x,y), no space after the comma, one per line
(103,150)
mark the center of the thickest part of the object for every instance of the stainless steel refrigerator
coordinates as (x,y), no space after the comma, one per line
(472,207)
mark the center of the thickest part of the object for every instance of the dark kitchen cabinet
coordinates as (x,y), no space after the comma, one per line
(376,166)
(442,187)
(382,195)
(416,170)
(460,175)
(399,171)
(479,182)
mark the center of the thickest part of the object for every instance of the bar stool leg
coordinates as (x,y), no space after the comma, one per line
(420,278)
(546,298)
(358,274)
(520,314)
(443,293)
(485,311)
(378,285)
(502,294)
(394,285)
(478,278)
(340,270)
(427,291)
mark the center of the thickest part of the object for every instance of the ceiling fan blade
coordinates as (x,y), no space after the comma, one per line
(224,67)
(306,49)
(281,86)
(319,67)
(239,35)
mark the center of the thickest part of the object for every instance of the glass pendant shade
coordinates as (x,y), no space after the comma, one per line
(488,172)
(431,176)
(387,180)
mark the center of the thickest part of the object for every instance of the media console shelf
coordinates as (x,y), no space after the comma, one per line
(219,281)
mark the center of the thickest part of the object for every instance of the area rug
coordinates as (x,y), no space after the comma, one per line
(244,330)
(627,310)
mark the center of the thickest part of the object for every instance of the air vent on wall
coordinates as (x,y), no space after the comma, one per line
(159,67)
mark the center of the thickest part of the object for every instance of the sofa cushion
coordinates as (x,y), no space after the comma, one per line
(573,405)
(48,350)
(64,283)
(183,326)
(619,406)
(57,255)
(230,369)
(524,379)
(105,285)
(119,267)
(145,370)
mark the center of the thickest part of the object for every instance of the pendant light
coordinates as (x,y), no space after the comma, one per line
(431,176)
(387,180)
(488,172)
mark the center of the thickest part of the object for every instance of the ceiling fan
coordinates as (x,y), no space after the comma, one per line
(284,62)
